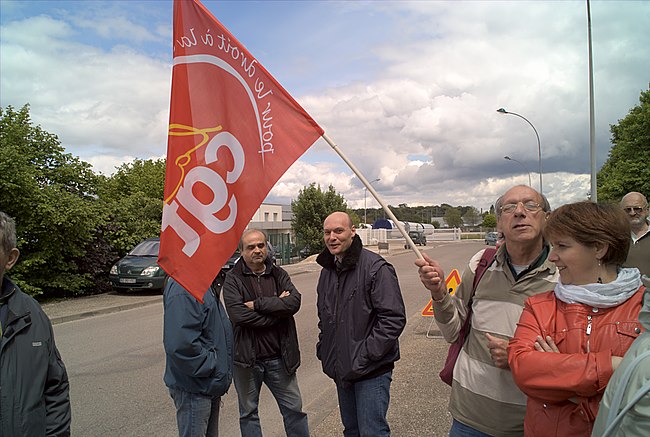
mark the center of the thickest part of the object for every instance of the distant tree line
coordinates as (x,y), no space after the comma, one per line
(454,216)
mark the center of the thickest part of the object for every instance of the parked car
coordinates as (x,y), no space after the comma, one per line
(304,252)
(418,237)
(139,269)
(218,281)
(491,238)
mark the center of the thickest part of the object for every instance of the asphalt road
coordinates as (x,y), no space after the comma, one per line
(115,363)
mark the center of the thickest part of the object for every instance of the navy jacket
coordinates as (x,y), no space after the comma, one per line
(361,315)
(198,342)
(34,389)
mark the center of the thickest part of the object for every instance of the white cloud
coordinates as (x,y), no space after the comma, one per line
(97,101)
(415,98)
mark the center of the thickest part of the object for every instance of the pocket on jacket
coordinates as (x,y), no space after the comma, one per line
(629,329)
(627,333)
(32,421)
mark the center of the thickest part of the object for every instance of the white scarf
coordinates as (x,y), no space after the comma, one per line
(608,295)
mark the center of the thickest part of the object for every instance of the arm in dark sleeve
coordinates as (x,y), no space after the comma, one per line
(280,307)
(182,332)
(58,415)
(387,301)
(238,312)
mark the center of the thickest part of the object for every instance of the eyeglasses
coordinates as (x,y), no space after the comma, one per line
(531,206)
(633,209)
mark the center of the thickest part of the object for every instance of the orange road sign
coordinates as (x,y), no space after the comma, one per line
(452,281)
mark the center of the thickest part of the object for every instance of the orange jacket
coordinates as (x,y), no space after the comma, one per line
(587,338)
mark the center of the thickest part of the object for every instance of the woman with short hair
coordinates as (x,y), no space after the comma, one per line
(570,340)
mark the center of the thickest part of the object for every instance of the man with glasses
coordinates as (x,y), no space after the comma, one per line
(636,207)
(484,398)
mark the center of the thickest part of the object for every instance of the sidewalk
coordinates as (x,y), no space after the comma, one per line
(66,310)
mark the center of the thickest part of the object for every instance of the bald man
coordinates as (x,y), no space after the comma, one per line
(636,207)
(361,315)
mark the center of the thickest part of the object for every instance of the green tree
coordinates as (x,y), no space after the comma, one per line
(356,219)
(134,197)
(489,221)
(452,217)
(627,168)
(310,209)
(53,197)
(472,216)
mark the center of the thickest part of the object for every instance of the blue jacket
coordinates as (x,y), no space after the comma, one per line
(198,342)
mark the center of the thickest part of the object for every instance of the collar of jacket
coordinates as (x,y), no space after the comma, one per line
(326,259)
(242,269)
(7,290)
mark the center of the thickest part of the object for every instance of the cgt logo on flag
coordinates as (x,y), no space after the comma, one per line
(233,132)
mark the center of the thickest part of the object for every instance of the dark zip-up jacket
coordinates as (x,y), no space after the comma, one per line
(34,389)
(361,315)
(269,313)
(198,342)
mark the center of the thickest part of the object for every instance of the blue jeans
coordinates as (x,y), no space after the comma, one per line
(196,415)
(364,405)
(283,386)
(461,430)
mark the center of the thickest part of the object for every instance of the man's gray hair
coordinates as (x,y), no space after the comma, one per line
(8,232)
(636,193)
(546,206)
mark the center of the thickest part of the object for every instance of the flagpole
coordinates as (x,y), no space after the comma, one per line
(592,123)
(376,196)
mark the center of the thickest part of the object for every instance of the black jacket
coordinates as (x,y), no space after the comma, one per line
(270,312)
(34,390)
(361,315)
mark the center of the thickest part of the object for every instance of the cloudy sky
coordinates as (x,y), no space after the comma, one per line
(408,90)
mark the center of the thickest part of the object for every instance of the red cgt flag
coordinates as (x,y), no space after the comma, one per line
(233,132)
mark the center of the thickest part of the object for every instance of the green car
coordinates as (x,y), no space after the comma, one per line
(139,269)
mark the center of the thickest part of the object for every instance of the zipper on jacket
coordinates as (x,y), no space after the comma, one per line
(588,331)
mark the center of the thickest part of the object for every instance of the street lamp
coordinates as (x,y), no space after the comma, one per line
(365,192)
(522,164)
(539,145)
